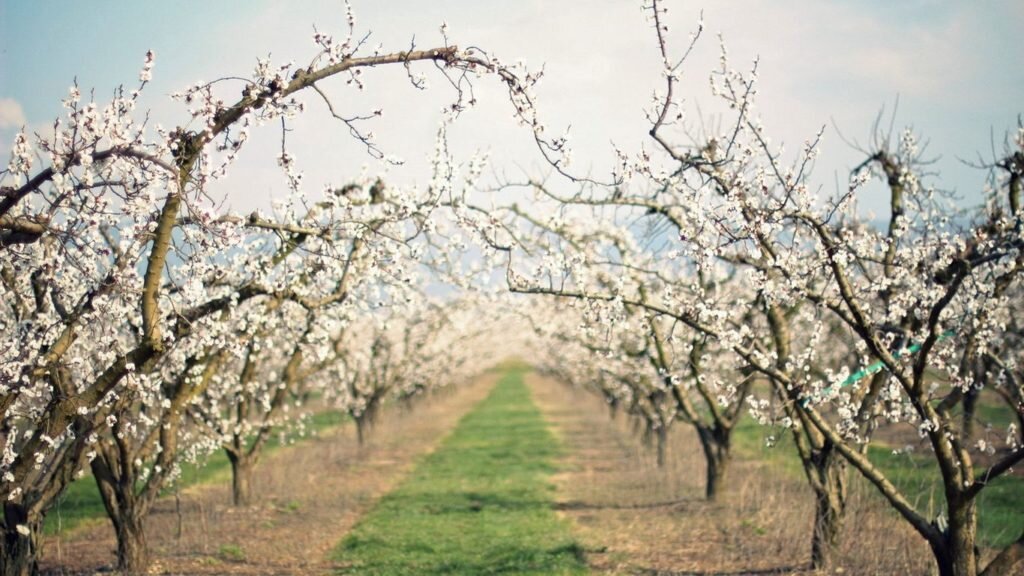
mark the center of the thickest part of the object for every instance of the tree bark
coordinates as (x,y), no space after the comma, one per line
(126,511)
(826,472)
(830,506)
(20,552)
(956,554)
(241,478)
(970,410)
(662,434)
(361,430)
(715,481)
(716,442)
(132,550)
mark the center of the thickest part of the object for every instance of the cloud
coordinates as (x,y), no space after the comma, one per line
(11,114)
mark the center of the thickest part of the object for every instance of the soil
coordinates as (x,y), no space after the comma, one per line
(310,495)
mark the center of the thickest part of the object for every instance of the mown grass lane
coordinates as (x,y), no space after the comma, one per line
(480,504)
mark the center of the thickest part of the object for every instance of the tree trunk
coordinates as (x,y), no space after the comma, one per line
(828,520)
(241,479)
(132,551)
(20,552)
(957,554)
(361,430)
(829,470)
(715,482)
(970,410)
(126,511)
(716,442)
(662,441)
(613,410)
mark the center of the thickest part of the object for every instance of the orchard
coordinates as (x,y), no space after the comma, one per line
(734,308)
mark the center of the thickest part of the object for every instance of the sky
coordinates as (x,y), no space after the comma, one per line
(953,66)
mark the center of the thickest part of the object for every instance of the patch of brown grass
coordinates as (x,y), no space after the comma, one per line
(308,495)
(636,518)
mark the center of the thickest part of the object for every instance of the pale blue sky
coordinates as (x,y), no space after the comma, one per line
(955,66)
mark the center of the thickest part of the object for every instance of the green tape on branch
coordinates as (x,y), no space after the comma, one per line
(879,365)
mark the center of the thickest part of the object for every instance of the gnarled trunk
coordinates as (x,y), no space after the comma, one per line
(715,480)
(132,550)
(19,553)
(827,469)
(126,511)
(829,508)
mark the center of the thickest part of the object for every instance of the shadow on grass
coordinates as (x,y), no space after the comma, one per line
(757,572)
(426,560)
(680,505)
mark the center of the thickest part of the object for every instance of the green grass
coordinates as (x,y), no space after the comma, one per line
(1000,511)
(81,502)
(999,415)
(480,504)
(510,364)
(1000,504)
(231,553)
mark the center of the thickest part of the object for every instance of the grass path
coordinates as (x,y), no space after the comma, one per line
(480,504)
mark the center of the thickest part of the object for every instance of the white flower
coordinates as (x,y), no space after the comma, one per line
(147,67)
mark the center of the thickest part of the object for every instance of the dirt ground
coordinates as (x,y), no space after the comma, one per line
(309,496)
(630,516)
(634,518)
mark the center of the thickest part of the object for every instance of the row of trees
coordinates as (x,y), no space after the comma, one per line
(142,324)
(710,279)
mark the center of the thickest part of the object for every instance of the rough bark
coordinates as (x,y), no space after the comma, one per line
(132,550)
(956,553)
(830,506)
(126,512)
(20,551)
(952,540)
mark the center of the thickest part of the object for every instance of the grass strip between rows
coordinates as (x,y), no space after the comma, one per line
(480,504)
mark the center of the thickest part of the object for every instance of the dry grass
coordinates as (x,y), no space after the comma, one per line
(309,497)
(635,518)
